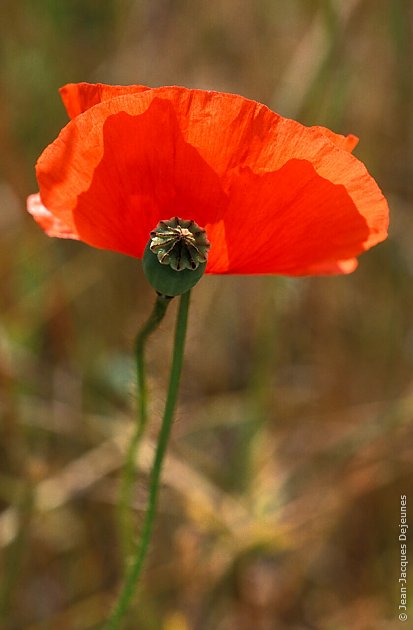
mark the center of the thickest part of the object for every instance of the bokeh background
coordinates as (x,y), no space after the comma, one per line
(293,439)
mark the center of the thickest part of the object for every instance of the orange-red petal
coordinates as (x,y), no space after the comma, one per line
(348,143)
(274,196)
(52,225)
(78,97)
(293,220)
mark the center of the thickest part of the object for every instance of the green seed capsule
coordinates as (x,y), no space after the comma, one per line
(175,257)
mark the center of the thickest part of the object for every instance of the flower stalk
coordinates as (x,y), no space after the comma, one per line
(141,550)
(125,499)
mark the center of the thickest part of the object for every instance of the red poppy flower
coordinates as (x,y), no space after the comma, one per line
(273,195)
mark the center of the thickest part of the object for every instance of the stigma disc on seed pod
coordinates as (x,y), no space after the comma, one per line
(175,256)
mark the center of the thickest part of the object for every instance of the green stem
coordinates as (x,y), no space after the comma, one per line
(143,544)
(128,474)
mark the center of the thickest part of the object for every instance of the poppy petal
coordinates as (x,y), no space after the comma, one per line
(50,224)
(348,143)
(274,196)
(78,97)
(331,268)
(116,189)
(300,222)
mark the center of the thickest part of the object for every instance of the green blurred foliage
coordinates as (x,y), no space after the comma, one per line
(293,439)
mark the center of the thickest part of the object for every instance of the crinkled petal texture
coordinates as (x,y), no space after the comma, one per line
(273,195)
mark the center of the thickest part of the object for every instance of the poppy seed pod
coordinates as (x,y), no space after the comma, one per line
(175,257)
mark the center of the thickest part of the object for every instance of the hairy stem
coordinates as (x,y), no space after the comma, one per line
(141,550)
(128,474)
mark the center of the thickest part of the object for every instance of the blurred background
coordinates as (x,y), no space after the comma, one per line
(293,439)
